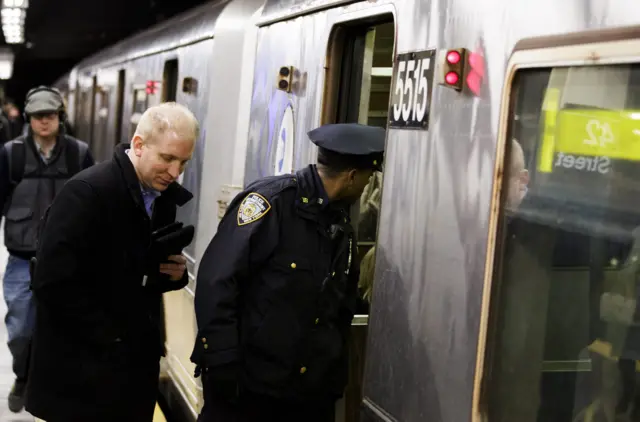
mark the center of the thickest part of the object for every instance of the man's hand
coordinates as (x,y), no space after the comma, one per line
(176,268)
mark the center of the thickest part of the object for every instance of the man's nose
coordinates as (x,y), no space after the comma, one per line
(174,169)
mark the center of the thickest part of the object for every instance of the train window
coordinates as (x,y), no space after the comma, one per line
(120,104)
(564,338)
(170,81)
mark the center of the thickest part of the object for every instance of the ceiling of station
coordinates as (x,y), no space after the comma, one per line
(59,34)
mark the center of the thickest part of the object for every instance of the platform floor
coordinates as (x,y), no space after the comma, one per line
(6,373)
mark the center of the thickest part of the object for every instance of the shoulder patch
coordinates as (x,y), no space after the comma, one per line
(252,208)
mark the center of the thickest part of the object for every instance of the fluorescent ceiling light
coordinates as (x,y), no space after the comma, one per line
(23,4)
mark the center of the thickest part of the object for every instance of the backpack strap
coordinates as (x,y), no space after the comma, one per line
(76,154)
(17,160)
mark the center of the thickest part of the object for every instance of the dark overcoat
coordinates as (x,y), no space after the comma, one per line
(98,335)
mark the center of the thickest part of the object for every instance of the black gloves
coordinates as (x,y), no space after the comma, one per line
(170,240)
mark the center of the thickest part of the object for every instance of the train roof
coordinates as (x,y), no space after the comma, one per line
(186,28)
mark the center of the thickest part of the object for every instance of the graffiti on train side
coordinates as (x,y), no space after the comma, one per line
(272,128)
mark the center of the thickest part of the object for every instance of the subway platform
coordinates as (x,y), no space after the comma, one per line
(6,373)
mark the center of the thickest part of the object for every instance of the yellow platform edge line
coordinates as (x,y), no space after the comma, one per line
(158,416)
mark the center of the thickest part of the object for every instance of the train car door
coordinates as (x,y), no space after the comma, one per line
(170,81)
(560,338)
(360,60)
(100,122)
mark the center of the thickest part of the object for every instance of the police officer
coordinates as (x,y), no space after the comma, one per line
(277,287)
(33,169)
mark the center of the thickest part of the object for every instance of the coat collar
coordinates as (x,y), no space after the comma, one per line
(175,193)
(312,200)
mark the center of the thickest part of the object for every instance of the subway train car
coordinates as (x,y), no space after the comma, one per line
(502,233)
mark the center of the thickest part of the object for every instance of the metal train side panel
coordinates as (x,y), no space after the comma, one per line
(437,188)
(423,331)
(430,265)
(279,118)
(225,144)
(295,43)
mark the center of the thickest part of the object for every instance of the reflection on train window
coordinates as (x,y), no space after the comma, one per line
(564,342)
(140,103)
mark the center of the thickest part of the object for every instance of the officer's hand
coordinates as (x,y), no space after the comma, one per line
(176,268)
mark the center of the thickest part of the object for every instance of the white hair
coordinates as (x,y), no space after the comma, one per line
(167,117)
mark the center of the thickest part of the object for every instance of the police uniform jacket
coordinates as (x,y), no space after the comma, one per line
(97,340)
(276,290)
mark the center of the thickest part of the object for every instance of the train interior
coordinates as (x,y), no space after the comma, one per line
(566,344)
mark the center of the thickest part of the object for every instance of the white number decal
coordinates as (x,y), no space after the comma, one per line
(423,88)
(410,97)
(397,107)
(408,90)
(599,133)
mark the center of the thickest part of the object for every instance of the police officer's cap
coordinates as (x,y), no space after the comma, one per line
(43,100)
(351,144)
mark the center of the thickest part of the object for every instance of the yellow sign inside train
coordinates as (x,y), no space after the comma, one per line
(614,134)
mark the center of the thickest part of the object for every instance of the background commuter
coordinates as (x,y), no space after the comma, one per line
(101,270)
(11,112)
(5,126)
(277,287)
(33,169)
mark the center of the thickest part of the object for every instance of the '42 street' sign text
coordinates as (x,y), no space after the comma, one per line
(411,90)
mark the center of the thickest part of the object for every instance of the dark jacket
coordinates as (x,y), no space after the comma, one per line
(25,200)
(97,341)
(276,292)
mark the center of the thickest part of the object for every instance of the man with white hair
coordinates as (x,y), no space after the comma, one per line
(102,265)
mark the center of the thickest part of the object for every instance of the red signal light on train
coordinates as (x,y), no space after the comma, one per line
(453,57)
(453,68)
(452,78)
(151,87)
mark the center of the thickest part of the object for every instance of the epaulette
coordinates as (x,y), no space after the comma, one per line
(272,185)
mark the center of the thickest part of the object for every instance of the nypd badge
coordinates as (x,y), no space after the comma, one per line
(253,207)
